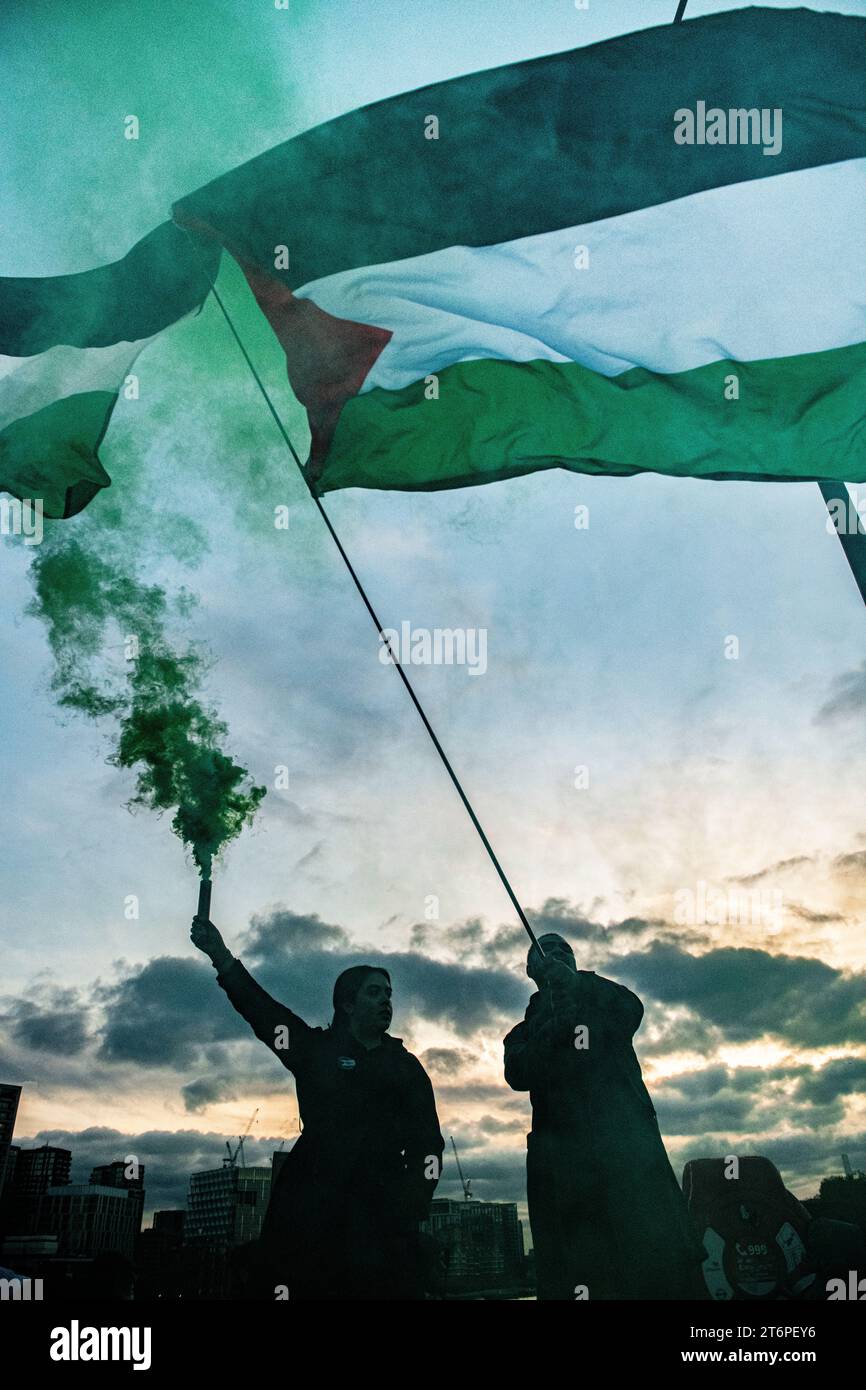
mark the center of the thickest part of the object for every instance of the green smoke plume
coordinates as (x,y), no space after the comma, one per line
(113,658)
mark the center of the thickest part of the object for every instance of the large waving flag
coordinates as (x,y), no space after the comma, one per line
(543,265)
(67,344)
(580,284)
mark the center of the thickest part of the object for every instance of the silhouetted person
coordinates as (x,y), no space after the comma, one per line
(607,1214)
(342,1219)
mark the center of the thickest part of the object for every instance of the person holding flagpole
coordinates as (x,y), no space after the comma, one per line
(608,1217)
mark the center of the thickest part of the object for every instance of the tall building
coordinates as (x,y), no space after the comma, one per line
(91,1219)
(170,1224)
(482,1242)
(38,1169)
(161,1265)
(9,1098)
(115,1175)
(30,1174)
(227,1205)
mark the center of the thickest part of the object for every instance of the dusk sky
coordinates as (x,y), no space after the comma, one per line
(718,770)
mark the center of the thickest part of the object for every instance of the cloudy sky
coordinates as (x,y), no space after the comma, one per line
(716,860)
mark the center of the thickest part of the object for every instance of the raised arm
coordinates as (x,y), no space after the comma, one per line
(281,1030)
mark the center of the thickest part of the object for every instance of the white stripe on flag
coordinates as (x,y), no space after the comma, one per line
(29,383)
(770,268)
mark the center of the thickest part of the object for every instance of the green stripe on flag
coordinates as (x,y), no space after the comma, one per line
(154,285)
(553,142)
(795,419)
(51,454)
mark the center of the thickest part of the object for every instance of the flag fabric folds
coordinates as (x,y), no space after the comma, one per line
(67,343)
(644,254)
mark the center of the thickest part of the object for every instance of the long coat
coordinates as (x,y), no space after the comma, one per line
(607,1214)
(342,1218)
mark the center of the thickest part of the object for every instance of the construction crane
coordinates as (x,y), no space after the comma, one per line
(231,1159)
(465,1183)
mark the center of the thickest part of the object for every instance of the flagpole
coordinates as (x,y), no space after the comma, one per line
(371,610)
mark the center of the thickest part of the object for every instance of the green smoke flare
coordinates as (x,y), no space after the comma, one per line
(86,589)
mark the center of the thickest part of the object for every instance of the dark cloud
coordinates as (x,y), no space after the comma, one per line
(310,857)
(49,1019)
(725,1114)
(584,934)
(492,1124)
(558,915)
(854,863)
(844,1076)
(781,866)
(742,1100)
(171,1014)
(164,1014)
(447,1061)
(805,1150)
(750,993)
(707,1082)
(816,918)
(281,934)
(198,1095)
(476,942)
(847,696)
(467,937)
(674,1030)
(480,1092)
(297,958)
(473,942)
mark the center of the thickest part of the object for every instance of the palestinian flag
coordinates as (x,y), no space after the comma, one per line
(68,343)
(644,254)
(525,268)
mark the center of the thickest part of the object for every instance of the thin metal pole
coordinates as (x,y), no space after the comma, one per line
(371,610)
